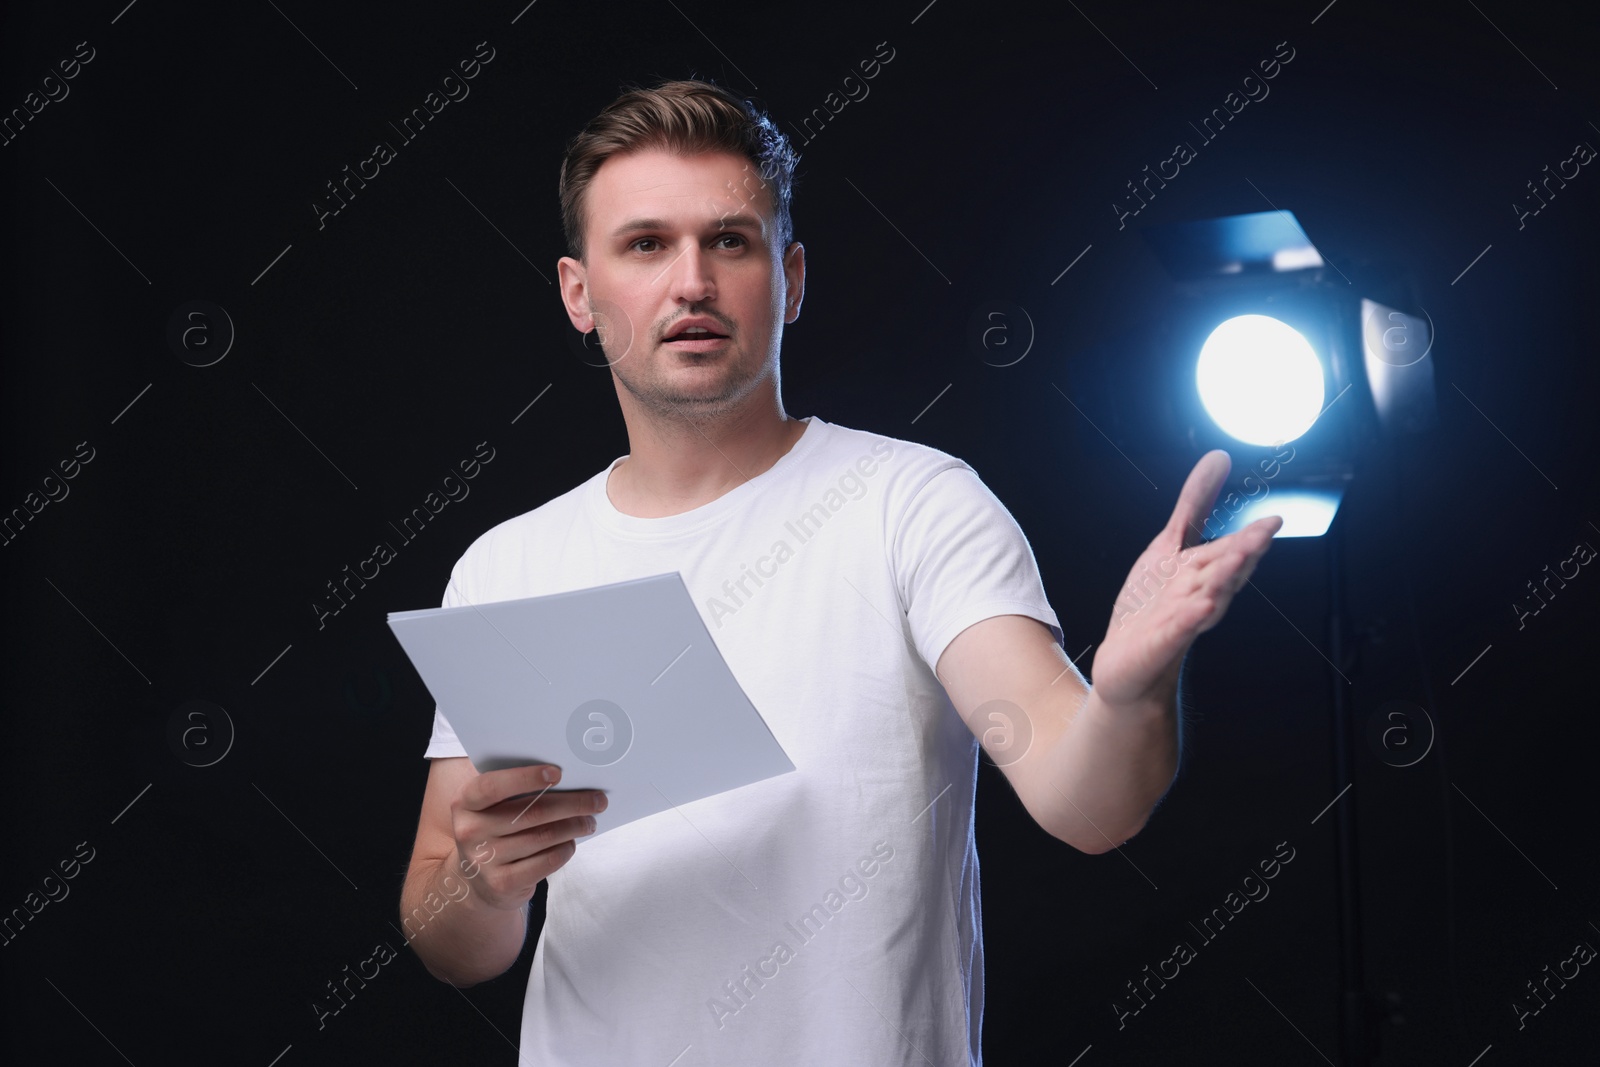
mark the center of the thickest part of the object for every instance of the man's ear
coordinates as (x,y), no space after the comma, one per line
(575,293)
(794,272)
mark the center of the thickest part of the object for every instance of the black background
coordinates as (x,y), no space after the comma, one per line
(985,159)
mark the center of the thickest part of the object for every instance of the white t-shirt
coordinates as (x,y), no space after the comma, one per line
(829,915)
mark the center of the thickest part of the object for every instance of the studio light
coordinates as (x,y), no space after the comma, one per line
(1293,351)
(1260,380)
(1256,343)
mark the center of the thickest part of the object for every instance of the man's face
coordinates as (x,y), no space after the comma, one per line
(670,239)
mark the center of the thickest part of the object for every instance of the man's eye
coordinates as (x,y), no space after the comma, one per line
(644,240)
(732,237)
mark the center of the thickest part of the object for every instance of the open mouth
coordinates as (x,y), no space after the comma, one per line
(696,338)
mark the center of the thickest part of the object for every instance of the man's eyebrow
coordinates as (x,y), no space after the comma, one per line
(744,220)
(747,221)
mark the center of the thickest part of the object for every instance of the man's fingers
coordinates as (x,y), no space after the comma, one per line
(1266,527)
(1198,496)
(1234,567)
(541,838)
(1254,539)
(495,787)
(528,859)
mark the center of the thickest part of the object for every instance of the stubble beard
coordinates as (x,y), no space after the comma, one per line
(674,405)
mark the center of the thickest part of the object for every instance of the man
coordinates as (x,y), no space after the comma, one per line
(830,915)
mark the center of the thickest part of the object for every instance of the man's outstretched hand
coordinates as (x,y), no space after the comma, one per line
(1176,591)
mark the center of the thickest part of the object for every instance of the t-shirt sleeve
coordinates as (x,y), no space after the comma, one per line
(959,558)
(444,741)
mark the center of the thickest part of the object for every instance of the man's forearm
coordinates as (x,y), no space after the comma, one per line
(459,938)
(1107,771)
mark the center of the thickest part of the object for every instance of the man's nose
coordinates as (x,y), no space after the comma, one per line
(689,277)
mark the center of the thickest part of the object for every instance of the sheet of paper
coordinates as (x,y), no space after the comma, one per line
(620,685)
